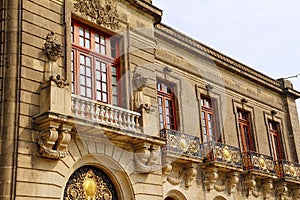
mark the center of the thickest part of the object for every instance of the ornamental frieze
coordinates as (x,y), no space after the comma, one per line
(106,15)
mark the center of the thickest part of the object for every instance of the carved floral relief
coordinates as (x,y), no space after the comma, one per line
(106,15)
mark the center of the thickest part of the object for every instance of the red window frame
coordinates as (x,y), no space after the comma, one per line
(210,130)
(246,131)
(95,64)
(276,142)
(166,106)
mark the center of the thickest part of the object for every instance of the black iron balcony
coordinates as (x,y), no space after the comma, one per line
(288,170)
(180,143)
(259,164)
(221,155)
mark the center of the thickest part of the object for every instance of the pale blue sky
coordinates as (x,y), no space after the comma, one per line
(263,34)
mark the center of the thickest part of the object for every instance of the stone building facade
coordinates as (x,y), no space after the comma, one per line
(100,100)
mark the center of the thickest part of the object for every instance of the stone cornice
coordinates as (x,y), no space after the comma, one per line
(223,60)
(149,8)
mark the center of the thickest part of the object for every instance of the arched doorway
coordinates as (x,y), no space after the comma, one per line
(89,182)
(219,198)
(175,195)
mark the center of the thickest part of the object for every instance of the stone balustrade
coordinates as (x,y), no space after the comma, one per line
(87,109)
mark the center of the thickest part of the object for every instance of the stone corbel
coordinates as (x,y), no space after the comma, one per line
(282,191)
(189,174)
(211,177)
(53,139)
(250,186)
(267,188)
(233,179)
(147,158)
(166,171)
(295,191)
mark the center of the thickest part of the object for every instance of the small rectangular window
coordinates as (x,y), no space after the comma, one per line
(166,106)
(276,142)
(208,120)
(247,137)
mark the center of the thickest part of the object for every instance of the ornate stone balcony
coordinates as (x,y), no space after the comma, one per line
(105,114)
(288,170)
(221,155)
(259,164)
(181,144)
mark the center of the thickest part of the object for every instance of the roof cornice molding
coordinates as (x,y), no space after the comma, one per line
(224,60)
(148,8)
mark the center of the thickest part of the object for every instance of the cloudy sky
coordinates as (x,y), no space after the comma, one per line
(263,34)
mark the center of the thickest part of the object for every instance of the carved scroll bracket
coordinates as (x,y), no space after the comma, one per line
(211,177)
(233,179)
(250,186)
(295,191)
(190,173)
(147,158)
(54,136)
(267,188)
(282,191)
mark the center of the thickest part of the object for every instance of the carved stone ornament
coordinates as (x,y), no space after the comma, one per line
(189,174)
(62,83)
(89,183)
(139,83)
(250,186)
(282,191)
(211,177)
(53,140)
(267,188)
(106,15)
(233,180)
(53,48)
(175,178)
(147,158)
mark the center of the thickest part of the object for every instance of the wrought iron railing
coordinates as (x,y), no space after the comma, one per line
(259,163)
(181,143)
(288,170)
(222,154)
(106,114)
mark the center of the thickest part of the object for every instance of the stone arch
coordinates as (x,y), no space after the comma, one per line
(175,195)
(112,170)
